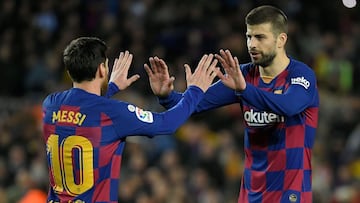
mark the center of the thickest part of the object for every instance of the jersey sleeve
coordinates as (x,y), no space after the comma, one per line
(112,90)
(217,95)
(300,94)
(132,120)
(171,100)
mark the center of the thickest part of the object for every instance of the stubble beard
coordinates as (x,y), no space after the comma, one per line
(265,59)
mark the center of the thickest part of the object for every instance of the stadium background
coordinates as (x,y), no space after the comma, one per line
(202,162)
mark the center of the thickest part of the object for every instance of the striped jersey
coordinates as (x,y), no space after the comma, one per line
(85,138)
(280,120)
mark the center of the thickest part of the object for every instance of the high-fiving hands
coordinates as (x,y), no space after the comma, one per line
(233,77)
(160,81)
(162,84)
(204,73)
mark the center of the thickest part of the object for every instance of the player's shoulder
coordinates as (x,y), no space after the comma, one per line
(247,67)
(78,97)
(300,67)
(302,74)
(54,98)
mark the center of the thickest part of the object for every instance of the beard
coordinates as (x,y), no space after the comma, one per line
(265,59)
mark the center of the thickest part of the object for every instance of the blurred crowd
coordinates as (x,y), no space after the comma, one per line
(203,161)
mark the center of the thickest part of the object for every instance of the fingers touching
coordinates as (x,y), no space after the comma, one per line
(160,81)
(204,74)
(233,77)
(162,84)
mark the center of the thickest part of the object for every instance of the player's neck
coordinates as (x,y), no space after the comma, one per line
(278,65)
(88,86)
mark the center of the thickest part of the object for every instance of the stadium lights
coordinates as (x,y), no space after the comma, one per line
(349,3)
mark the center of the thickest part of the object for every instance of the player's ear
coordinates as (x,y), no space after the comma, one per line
(282,38)
(102,70)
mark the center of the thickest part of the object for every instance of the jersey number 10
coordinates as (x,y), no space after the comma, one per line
(63,162)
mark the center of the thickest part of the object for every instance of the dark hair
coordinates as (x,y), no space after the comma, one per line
(268,14)
(83,56)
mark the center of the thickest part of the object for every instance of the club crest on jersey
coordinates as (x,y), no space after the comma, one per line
(145,116)
(300,81)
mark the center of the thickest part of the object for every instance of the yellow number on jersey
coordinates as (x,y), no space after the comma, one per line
(62,159)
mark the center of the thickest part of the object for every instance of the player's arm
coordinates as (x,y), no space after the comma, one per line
(148,123)
(299,95)
(217,95)
(119,75)
(133,120)
(162,86)
(296,98)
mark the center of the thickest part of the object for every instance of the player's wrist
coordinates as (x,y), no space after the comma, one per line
(112,89)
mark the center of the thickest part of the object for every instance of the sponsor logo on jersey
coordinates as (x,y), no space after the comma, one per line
(300,81)
(262,118)
(145,116)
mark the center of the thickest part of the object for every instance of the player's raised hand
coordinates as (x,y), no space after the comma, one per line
(160,81)
(233,77)
(119,74)
(204,73)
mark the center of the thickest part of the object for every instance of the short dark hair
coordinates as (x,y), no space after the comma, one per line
(268,14)
(83,56)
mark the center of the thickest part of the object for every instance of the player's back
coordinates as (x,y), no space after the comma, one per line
(84,164)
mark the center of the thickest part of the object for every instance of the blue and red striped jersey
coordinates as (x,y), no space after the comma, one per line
(85,138)
(280,125)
